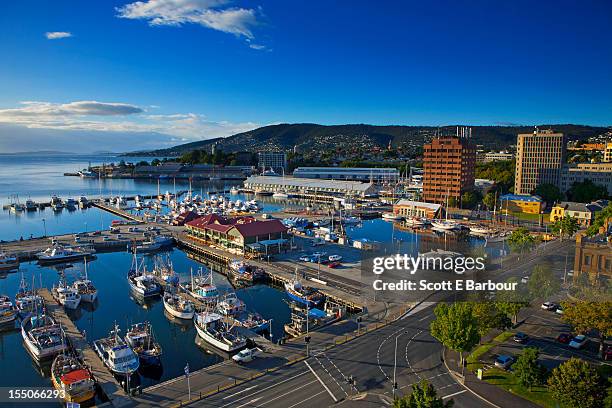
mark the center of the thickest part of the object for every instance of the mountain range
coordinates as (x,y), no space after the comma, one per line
(319,138)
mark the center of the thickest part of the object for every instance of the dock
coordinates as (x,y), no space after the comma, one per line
(105,380)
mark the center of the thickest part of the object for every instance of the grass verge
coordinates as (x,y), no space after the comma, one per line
(506,380)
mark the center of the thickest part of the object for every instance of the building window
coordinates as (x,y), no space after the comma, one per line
(587,260)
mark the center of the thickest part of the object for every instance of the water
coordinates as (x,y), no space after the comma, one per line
(40,177)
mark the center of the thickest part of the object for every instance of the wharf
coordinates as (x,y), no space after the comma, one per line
(105,380)
(117,211)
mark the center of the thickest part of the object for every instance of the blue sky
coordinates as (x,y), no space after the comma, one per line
(115,73)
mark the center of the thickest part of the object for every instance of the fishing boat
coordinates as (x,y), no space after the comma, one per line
(42,336)
(244,273)
(140,338)
(303,294)
(30,205)
(179,307)
(26,300)
(59,253)
(8,311)
(66,295)
(72,378)
(116,354)
(56,203)
(85,288)
(8,262)
(253,321)
(230,305)
(163,269)
(141,282)
(201,287)
(210,328)
(390,216)
(71,204)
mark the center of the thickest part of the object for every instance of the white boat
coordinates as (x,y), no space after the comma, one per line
(8,311)
(480,230)
(414,222)
(280,194)
(116,354)
(58,253)
(211,329)
(66,295)
(201,287)
(7,262)
(42,336)
(140,338)
(230,305)
(234,190)
(85,288)
(446,225)
(178,306)
(26,301)
(502,236)
(141,282)
(83,202)
(154,243)
(391,216)
(351,220)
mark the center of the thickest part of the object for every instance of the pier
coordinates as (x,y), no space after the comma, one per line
(106,382)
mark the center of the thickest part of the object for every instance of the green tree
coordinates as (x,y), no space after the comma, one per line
(423,395)
(585,316)
(452,202)
(502,172)
(155,162)
(600,220)
(142,163)
(470,199)
(490,200)
(511,302)
(542,283)
(527,370)
(549,193)
(566,226)
(587,191)
(456,327)
(576,384)
(520,240)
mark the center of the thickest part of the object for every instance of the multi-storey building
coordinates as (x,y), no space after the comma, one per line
(539,159)
(449,168)
(276,161)
(594,258)
(608,153)
(366,174)
(598,173)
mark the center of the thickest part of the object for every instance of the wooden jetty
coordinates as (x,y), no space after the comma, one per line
(105,380)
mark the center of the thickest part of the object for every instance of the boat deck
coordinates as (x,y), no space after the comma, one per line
(106,381)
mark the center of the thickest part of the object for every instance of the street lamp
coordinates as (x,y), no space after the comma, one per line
(45,227)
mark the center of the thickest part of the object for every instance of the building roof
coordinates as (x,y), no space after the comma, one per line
(333,169)
(255,228)
(431,206)
(310,184)
(246,226)
(520,197)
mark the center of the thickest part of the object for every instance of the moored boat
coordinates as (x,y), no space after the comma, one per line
(8,262)
(179,307)
(8,311)
(210,328)
(116,354)
(140,338)
(59,253)
(303,294)
(42,336)
(201,287)
(73,378)
(141,282)
(390,216)
(66,295)
(446,225)
(230,305)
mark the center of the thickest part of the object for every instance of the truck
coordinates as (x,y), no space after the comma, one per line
(246,355)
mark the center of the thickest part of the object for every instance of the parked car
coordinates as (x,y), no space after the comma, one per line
(521,337)
(246,355)
(525,279)
(578,342)
(319,254)
(607,355)
(106,238)
(564,338)
(504,361)
(334,264)
(305,258)
(559,310)
(335,258)
(549,306)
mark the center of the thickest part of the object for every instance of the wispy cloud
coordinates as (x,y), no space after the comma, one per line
(56,35)
(117,117)
(258,47)
(213,14)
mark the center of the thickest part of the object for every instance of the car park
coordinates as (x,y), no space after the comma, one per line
(578,342)
(521,337)
(549,306)
(504,361)
(564,338)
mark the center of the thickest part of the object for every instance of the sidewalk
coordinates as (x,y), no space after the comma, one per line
(495,396)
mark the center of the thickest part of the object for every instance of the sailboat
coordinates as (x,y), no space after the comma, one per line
(85,288)
(447,225)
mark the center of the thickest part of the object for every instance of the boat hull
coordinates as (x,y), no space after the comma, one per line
(40,354)
(301,299)
(175,313)
(213,341)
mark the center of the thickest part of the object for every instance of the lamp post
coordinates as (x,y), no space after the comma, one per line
(44,226)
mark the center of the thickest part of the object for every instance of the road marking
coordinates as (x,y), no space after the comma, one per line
(452,395)
(302,401)
(250,402)
(263,389)
(322,383)
(240,392)
(287,393)
(424,318)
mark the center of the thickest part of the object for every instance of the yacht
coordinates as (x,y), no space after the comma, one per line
(72,378)
(201,287)
(178,306)
(42,336)
(480,230)
(66,295)
(8,312)
(280,195)
(141,282)
(391,216)
(446,225)
(211,329)
(116,354)
(59,253)
(140,338)
(414,221)
(7,262)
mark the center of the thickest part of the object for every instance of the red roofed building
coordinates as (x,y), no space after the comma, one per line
(244,234)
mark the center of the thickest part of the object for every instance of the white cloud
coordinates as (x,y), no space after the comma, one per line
(214,14)
(258,47)
(113,117)
(56,35)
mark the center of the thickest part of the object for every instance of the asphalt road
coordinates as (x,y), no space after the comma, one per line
(371,360)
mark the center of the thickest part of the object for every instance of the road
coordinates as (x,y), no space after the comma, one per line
(371,359)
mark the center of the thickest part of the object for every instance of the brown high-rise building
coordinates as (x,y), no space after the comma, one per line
(539,159)
(449,166)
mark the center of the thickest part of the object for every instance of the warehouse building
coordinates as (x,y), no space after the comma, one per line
(302,186)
